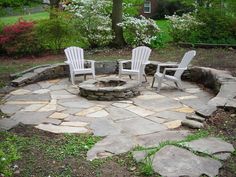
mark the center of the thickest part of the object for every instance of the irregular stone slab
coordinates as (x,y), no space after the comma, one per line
(57,87)
(193,90)
(75,124)
(7,124)
(77,103)
(140,126)
(59,115)
(33,107)
(192,124)
(61,94)
(172,161)
(150,97)
(104,127)
(52,106)
(101,113)
(41,91)
(186,97)
(156,119)
(210,145)
(140,111)
(195,117)
(26,102)
(117,114)
(171,115)
(111,145)
(30,97)
(88,111)
(184,109)
(121,105)
(158,105)
(231,103)
(222,156)
(61,129)
(126,101)
(54,81)
(32,87)
(173,124)
(20,92)
(154,139)
(194,103)
(10,109)
(45,84)
(31,117)
(206,111)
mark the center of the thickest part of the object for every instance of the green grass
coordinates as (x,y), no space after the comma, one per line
(164,26)
(31,17)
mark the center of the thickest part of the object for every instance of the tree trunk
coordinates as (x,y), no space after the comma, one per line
(117,18)
(54,6)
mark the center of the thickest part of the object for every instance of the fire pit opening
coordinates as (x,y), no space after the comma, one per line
(110,83)
(108,89)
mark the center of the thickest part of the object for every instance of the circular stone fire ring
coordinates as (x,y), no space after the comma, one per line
(108,89)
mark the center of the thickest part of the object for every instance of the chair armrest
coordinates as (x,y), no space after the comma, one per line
(91,61)
(67,62)
(124,61)
(172,69)
(166,64)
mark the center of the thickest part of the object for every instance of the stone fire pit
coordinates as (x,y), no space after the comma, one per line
(108,89)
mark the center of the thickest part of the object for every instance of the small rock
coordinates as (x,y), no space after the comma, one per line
(195,117)
(192,124)
(139,155)
(233,115)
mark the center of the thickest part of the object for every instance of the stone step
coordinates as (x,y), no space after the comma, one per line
(192,124)
(195,117)
(206,111)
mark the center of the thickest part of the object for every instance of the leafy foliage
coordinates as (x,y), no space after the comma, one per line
(19,39)
(17,3)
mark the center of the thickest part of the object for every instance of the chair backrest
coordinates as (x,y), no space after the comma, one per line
(140,55)
(188,56)
(75,55)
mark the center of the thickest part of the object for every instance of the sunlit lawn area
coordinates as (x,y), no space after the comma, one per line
(30,17)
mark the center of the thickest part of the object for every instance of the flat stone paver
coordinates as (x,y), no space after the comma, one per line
(154,139)
(172,161)
(211,145)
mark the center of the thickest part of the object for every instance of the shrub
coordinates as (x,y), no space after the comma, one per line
(93,20)
(52,33)
(19,39)
(184,28)
(140,31)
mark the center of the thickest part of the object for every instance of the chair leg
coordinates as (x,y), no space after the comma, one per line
(145,77)
(94,77)
(153,81)
(85,77)
(139,78)
(179,85)
(159,84)
(130,76)
(72,76)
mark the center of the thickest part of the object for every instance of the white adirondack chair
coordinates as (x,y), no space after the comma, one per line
(75,60)
(140,56)
(178,68)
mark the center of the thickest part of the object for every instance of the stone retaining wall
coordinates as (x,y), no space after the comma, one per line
(221,82)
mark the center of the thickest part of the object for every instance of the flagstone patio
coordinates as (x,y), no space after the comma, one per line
(145,120)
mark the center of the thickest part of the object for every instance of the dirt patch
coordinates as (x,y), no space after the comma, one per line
(223,124)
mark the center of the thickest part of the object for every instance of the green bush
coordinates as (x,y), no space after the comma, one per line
(58,32)
(218,27)
(17,3)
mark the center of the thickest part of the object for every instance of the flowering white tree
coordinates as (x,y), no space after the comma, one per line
(182,26)
(94,21)
(139,31)
(95,24)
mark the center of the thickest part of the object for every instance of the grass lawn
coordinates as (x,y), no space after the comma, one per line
(34,17)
